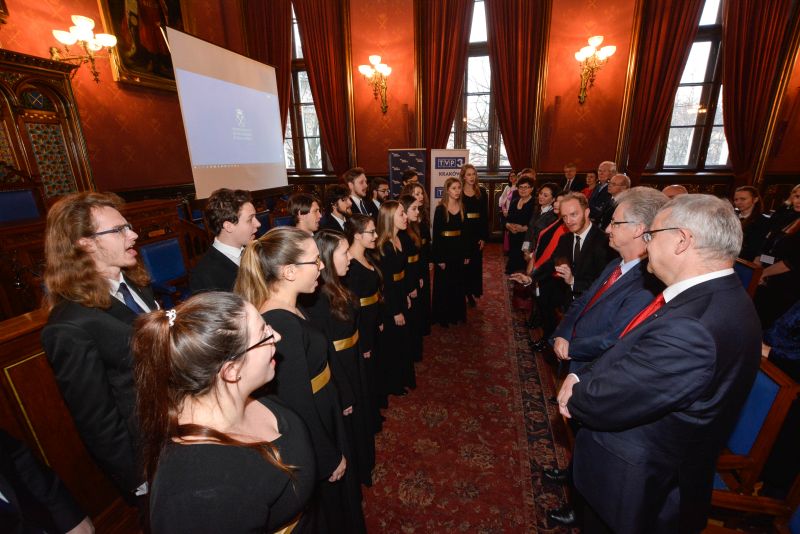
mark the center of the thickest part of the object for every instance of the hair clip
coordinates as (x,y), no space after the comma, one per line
(171,314)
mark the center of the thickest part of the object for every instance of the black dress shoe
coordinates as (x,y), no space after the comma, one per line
(563,516)
(555,474)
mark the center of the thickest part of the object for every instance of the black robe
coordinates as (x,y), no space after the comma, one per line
(450,248)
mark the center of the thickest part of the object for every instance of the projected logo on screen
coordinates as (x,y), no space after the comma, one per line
(241,132)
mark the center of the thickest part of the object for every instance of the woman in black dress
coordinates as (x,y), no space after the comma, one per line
(396,354)
(423,229)
(519,214)
(476,211)
(412,243)
(755,225)
(334,308)
(364,279)
(450,254)
(208,446)
(275,269)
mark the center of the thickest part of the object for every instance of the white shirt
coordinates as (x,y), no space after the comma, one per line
(377,204)
(627,266)
(358,201)
(582,236)
(338,220)
(232,253)
(676,289)
(117,295)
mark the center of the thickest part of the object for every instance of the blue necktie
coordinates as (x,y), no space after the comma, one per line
(128,298)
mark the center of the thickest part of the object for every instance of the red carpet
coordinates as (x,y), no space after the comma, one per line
(459,454)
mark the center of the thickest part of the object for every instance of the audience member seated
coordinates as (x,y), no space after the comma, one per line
(591,183)
(601,196)
(572,183)
(305,211)
(755,225)
(674,190)
(95,290)
(618,183)
(543,216)
(231,217)
(209,448)
(339,208)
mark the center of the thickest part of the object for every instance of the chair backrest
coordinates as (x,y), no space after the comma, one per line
(164,260)
(263,218)
(753,415)
(283,220)
(749,273)
(17,206)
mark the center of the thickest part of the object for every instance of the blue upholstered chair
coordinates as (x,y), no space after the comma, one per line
(749,273)
(165,263)
(263,218)
(282,220)
(786,512)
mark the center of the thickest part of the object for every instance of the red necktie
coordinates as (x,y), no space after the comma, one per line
(644,314)
(615,274)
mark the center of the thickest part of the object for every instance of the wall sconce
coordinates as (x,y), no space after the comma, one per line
(82,34)
(591,59)
(376,75)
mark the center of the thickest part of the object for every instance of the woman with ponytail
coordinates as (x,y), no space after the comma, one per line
(412,243)
(196,367)
(450,252)
(275,269)
(334,309)
(423,229)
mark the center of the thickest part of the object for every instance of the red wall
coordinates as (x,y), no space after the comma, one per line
(134,134)
(785,157)
(386,28)
(585,134)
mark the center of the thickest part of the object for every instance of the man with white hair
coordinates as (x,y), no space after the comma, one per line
(657,407)
(618,184)
(601,196)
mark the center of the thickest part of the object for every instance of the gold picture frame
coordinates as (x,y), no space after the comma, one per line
(141,56)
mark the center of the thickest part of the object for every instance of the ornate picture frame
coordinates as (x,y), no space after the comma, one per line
(141,56)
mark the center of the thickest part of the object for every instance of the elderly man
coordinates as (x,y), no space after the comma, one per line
(619,183)
(571,182)
(600,195)
(658,405)
(674,190)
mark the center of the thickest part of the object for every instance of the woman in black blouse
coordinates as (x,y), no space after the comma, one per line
(334,308)
(476,211)
(412,243)
(450,253)
(519,214)
(423,229)
(208,446)
(398,368)
(364,279)
(275,269)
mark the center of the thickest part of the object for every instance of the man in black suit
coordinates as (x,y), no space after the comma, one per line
(572,183)
(619,183)
(380,194)
(657,407)
(32,497)
(231,217)
(305,210)
(356,181)
(339,208)
(600,196)
(96,288)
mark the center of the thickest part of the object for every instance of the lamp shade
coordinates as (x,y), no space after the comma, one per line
(81,34)
(366,70)
(608,50)
(106,39)
(375,59)
(65,38)
(587,51)
(596,40)
(383,68)
(83,22)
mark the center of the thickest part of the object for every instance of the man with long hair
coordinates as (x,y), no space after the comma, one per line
(95,290)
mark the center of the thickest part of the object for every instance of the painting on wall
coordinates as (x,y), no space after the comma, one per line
(141,56)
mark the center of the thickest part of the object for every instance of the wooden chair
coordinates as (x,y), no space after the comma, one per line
(749,273)
(760,421)
(21,196)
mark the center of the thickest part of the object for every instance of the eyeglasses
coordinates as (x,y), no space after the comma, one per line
(648,236)
(382,191)
(373,232)
(524,187)
(266,340)
(121,229)
(317,262)
(617,223)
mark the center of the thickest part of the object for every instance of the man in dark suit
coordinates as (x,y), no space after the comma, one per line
(593,323)
(340,206)
(231,217)
(95,290)
(600,195)
(657,407)
(379,188)
(618,184)
(572,183)
(356,181)
(306,212)
(32,497)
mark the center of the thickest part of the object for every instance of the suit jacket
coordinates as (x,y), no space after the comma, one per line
(595,254)
(214,272)
(372,209)
(37,499)
(591,333)
(357,209)
(597,202)
(330,223)
(577,185)
(89,351)
(658,406)
(607,214)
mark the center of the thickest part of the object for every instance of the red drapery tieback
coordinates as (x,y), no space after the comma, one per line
(644,314)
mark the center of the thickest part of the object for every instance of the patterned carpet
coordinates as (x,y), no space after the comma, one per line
(463,452)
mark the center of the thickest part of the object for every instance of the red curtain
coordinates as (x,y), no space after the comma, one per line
(268,30)
(515,29)
(322,32)
(753,35)
(668,29)
(445,29)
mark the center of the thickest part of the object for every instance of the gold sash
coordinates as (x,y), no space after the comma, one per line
(321,380)
(342,344)
(290,527)
(399,276)
(369,301)
(413,259)
(451,233)
(473,215)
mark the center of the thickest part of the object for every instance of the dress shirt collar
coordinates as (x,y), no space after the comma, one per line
(583,235)
(358,201)
(114,289)
(232,253)
(547,208)
(676,289)
(626,266)
(338,220)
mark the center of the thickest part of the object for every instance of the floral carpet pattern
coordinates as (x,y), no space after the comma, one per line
(463,452)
